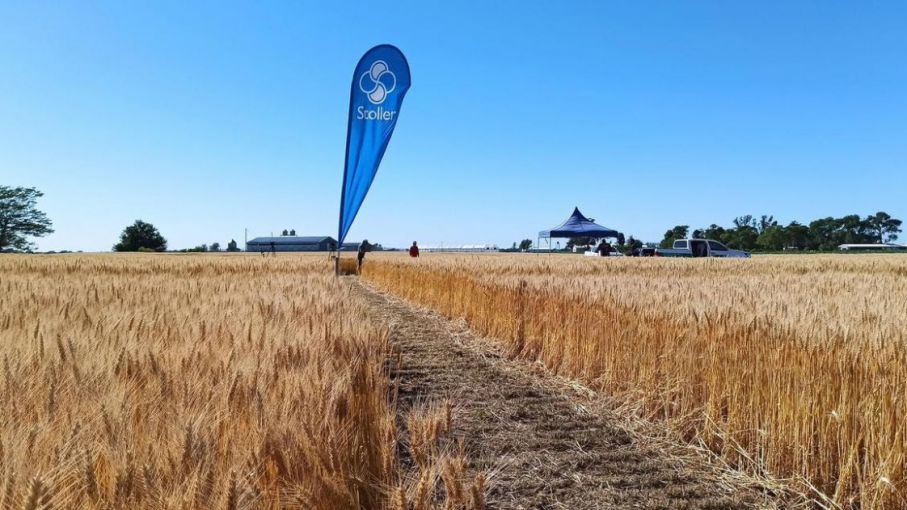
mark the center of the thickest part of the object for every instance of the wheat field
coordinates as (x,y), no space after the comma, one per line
(206,381)
(240,381)
(793,367)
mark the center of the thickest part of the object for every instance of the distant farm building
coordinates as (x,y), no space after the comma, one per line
(873,247)
(291,243)
(460,248)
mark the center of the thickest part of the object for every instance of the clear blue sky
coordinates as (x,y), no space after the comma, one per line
(207,117)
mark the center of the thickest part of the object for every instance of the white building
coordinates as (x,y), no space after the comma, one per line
(460,248)
(872,247)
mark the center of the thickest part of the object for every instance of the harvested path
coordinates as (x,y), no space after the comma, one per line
(542,447)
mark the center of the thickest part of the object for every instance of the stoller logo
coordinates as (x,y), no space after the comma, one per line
(377,82)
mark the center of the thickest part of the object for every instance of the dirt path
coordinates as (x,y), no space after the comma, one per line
(543,448)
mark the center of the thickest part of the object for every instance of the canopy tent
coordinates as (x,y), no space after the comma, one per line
(577,225)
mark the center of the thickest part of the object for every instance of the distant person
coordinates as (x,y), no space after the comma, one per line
(414,250)
(273,248)
(360,254)
(604,249)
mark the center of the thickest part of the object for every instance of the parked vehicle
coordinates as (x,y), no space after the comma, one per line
(700,248)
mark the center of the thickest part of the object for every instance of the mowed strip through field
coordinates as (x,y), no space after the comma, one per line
(542,445)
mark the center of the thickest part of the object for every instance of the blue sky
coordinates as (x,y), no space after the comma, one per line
(205,118)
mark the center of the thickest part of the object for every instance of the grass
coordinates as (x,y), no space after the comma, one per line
(790,367)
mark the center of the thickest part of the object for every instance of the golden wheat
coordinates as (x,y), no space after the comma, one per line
(789,366)
(197,381)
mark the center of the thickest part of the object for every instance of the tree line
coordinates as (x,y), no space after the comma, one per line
(143,236)
(765,233)
(20,218)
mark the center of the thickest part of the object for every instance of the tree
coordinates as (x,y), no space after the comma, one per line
(621,240)
(745,232)
(824,234)
(773,238)
(525,244)
(578,241)
(796,236)
(214,247)
(141,235)
(633,244)
(883,227)
(716,232)
(744,221)
(284,233)
(20,218)
(743,237)
(678,232)
(854,230)
(828,233)
(231,246)
(765,223)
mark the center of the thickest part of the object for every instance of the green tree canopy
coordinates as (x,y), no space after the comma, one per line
(678,232)
(773,238)
(20,217)
(578,241)
(714,231)
(141,235)
(633,244)
(796,236)
(883,227)
(749,233)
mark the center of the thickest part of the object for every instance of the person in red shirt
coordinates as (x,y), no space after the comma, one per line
(414,250)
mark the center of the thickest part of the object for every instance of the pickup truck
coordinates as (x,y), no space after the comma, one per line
(700,248)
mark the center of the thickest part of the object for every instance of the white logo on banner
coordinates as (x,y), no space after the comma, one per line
(377,82)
